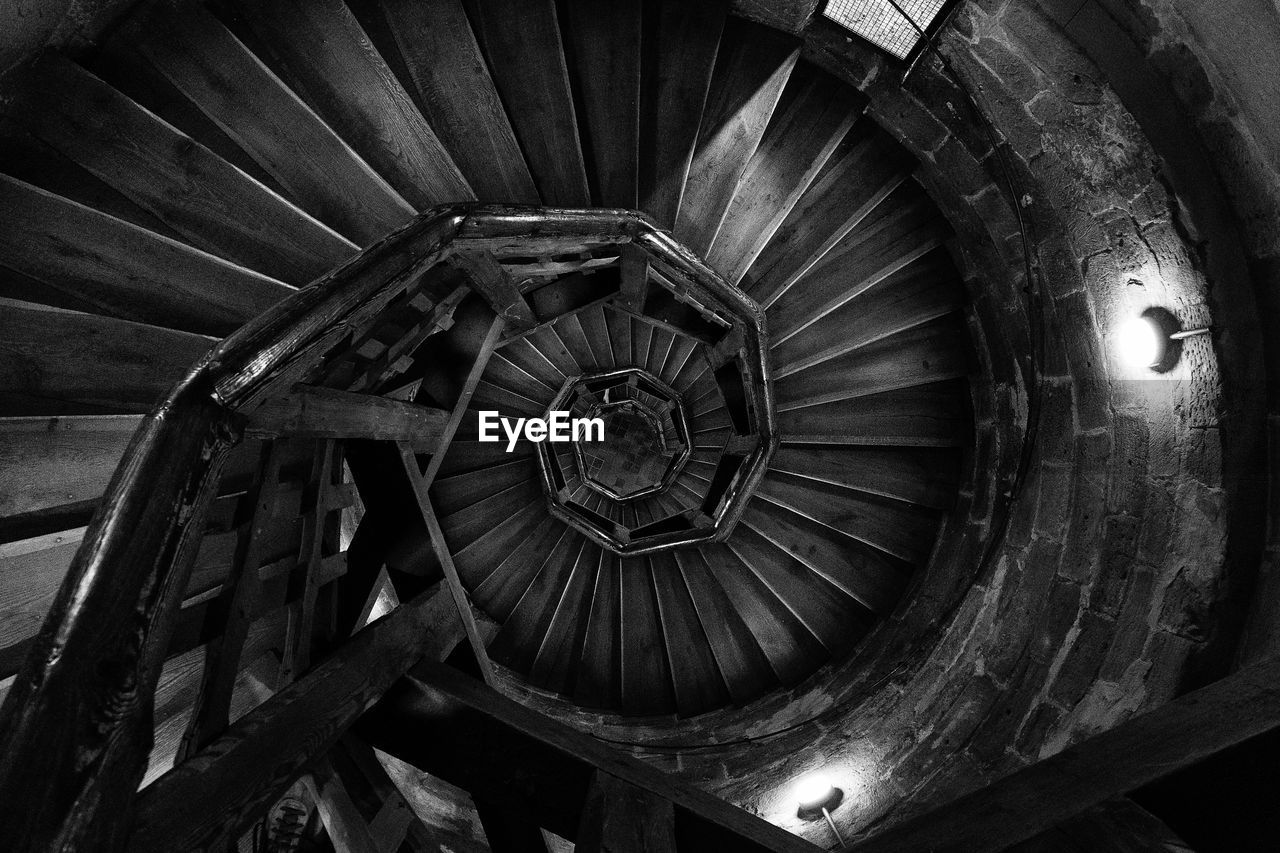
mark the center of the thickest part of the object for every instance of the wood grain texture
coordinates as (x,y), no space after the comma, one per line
(752,67)
(680,53)
(695,674)
(315,412)
(253,107)
(521,39)
(813,115)
(116,268)
(213,204)
(923,476)
(934,415)
(59,361)
(50,462)
(451,82)
(211,798)
(326,57)
(603,46)
(31,570)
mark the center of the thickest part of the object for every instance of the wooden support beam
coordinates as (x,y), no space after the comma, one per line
(209,800)
(347,827)
(454,727)
(316,412)
(1146,748)
(487,347)
(634,269)
(496,286)
(441,547)
(620,816)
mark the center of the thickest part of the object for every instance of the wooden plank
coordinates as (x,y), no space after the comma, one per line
(328,59)
(453,85)
(619,816)
(488,278)
(598,666)
(58,361)
(923,476)
(752,67)
(552,602)
(934,415)
(342,820)
(929,353)
(51,462)
(31,570)
(315,412)
(300,632)
(1136,752)
(924,290)
(254,107)
(213,204)
(695,674)
(866,167)
(499,592)
(814,114)
(521,39)
(646,674)
(125,271)
(602,41)
(904,227)
(459,593)
(634,272)
(473,736)
(213,797)
(684,42)
(235,609)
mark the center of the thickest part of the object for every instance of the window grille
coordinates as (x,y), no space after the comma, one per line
(880,23)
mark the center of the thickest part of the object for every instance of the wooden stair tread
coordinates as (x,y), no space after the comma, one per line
(598,681)
(923,476)
(646,673)
(51,462)
(934,415)
(813,115)
(555,665)
(323,53)
(448,75)
(521,39)
(123,270)
(209,201)
(752,67)
(321,173)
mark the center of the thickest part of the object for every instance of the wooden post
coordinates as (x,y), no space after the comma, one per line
(619,816)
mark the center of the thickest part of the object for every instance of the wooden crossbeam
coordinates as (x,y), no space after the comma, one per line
(1146,748)
(496,286)
(487,347)
(316,412)
(441,547)
(456,728)
(209,800)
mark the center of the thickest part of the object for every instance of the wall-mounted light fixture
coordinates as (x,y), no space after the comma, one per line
(1153,340)
(816,796)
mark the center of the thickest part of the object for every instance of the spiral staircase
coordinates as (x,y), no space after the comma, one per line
(204,162)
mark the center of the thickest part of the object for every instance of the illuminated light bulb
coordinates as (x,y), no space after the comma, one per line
(814,791)
(1141,342)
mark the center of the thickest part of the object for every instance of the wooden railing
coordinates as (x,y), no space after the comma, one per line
(76,727)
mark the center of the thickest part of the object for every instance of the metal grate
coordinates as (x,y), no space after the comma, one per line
(881,24)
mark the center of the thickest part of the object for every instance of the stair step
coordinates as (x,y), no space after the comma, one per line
(618,333)
(321,51)
(859,571)
(123,270)
(528,358)
(926,477)
(478,562)
(744,667)
(598,677)
(924,290)
(526,627)
(905,531)
(319,171)
(814,114)
(646,673)
(603,44)
(683,46)
(752,67)
(903,228)
(925,354)
(695,675)
(501,590)
(46,463)
(865,168)
(451,494)
(521,39)
(934,415)
(56,362)
(469,524)
(213,204)
(555,666)
(448,76)
(793,651)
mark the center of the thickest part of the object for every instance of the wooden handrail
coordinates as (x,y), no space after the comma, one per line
(76,727)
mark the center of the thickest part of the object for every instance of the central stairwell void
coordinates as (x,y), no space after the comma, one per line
(776,337)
